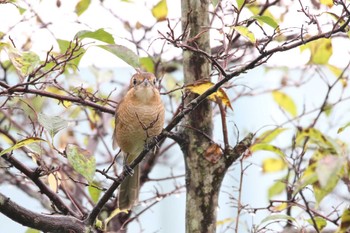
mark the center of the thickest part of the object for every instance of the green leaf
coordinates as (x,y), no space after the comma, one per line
(53,124)
(124,53)
(160,10)
(21,10)
(275,217)
(147,64)
(31,230)
(214,2)
(320,222)
(255,9)
(266,19)
(20,144)
(240,4)
(277,188)
(94,192)
(267,147)
(65,45)
(82,6)
(82,161)
(269,135)
(285,102)
(273,165)
(25,63)
(244,31)
(99,34)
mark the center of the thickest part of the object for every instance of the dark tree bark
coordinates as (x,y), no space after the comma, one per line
(202,182)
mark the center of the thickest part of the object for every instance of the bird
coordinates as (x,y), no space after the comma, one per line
(139,117)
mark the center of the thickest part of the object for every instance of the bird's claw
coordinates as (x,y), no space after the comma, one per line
(129,171)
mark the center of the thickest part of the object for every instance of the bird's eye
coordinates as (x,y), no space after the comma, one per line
(154,81)
(134,81)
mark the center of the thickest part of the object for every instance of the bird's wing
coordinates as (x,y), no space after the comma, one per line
(115,144)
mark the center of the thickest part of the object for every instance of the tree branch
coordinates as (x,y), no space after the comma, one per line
(45,223)
(56,200)
(61,98)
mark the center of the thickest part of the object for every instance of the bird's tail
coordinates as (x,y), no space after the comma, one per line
(129,190)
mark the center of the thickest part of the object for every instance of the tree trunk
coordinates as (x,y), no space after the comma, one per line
(203,178)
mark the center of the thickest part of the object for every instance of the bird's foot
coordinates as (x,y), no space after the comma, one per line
(128,170)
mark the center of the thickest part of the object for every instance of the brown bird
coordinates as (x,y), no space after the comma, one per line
(139,117)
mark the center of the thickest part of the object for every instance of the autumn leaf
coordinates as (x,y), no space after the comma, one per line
(112,215)
(328,3)
(279,208)
(285,102)
(321,50)
(160,10)
(24,62)
(213,153)
(244,31)
(20,144)
(273,165)
(269,135)
(345,222)
(54,181)
(267,147)
(202,86)
(82,6)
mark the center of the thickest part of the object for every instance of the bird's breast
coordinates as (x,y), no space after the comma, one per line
(136,123)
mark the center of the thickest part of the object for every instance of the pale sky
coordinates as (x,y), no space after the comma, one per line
(64,26)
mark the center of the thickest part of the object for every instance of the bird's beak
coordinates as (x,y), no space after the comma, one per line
(146,82)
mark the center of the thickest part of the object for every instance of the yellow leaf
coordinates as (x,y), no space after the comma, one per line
(273,165)
(21,144)
(226,220)
(285,102)
(279,208)
(321,50)
(201,87)
(113,214)
(328,3)
(244,31)
(54,180)
(160,11)
(277,188)
(267,147)
(345,222)
(57,91)
(320,222)
(269,135)
(51,179)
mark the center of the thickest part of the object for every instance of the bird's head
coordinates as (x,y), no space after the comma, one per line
(143,86)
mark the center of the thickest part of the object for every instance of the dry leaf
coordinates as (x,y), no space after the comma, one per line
(202,86)
(54,180)
(213,153)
